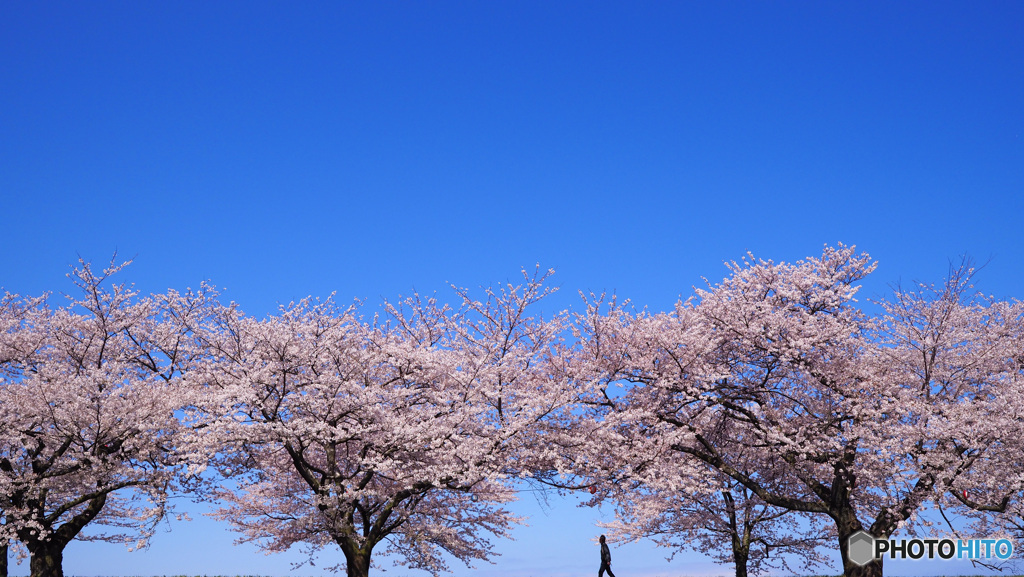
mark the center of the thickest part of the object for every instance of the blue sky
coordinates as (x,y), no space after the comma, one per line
(368,149)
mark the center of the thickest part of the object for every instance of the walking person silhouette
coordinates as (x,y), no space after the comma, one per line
(606,560)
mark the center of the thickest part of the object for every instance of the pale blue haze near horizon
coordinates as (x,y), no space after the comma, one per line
(289,149)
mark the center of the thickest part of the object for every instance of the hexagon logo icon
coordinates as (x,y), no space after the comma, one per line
(860,548)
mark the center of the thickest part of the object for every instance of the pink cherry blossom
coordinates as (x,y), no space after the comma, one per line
(88,394)
(399,433)
(776,379)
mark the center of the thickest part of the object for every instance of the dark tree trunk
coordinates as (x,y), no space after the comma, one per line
(740,540)
(357,556)
(740,559)
(872,569)
(357,564)
(47,559)
(847,524)
(3,559)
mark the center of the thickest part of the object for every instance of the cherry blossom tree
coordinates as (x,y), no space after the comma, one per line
(732,525)
(656,499)
(401,431)
(622,455)
(962,353)
(14,311)
(88,393)
(862,420)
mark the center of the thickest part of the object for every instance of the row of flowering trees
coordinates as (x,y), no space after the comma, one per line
(768,415)
(401,429)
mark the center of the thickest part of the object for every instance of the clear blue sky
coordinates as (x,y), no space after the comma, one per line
(288,149)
